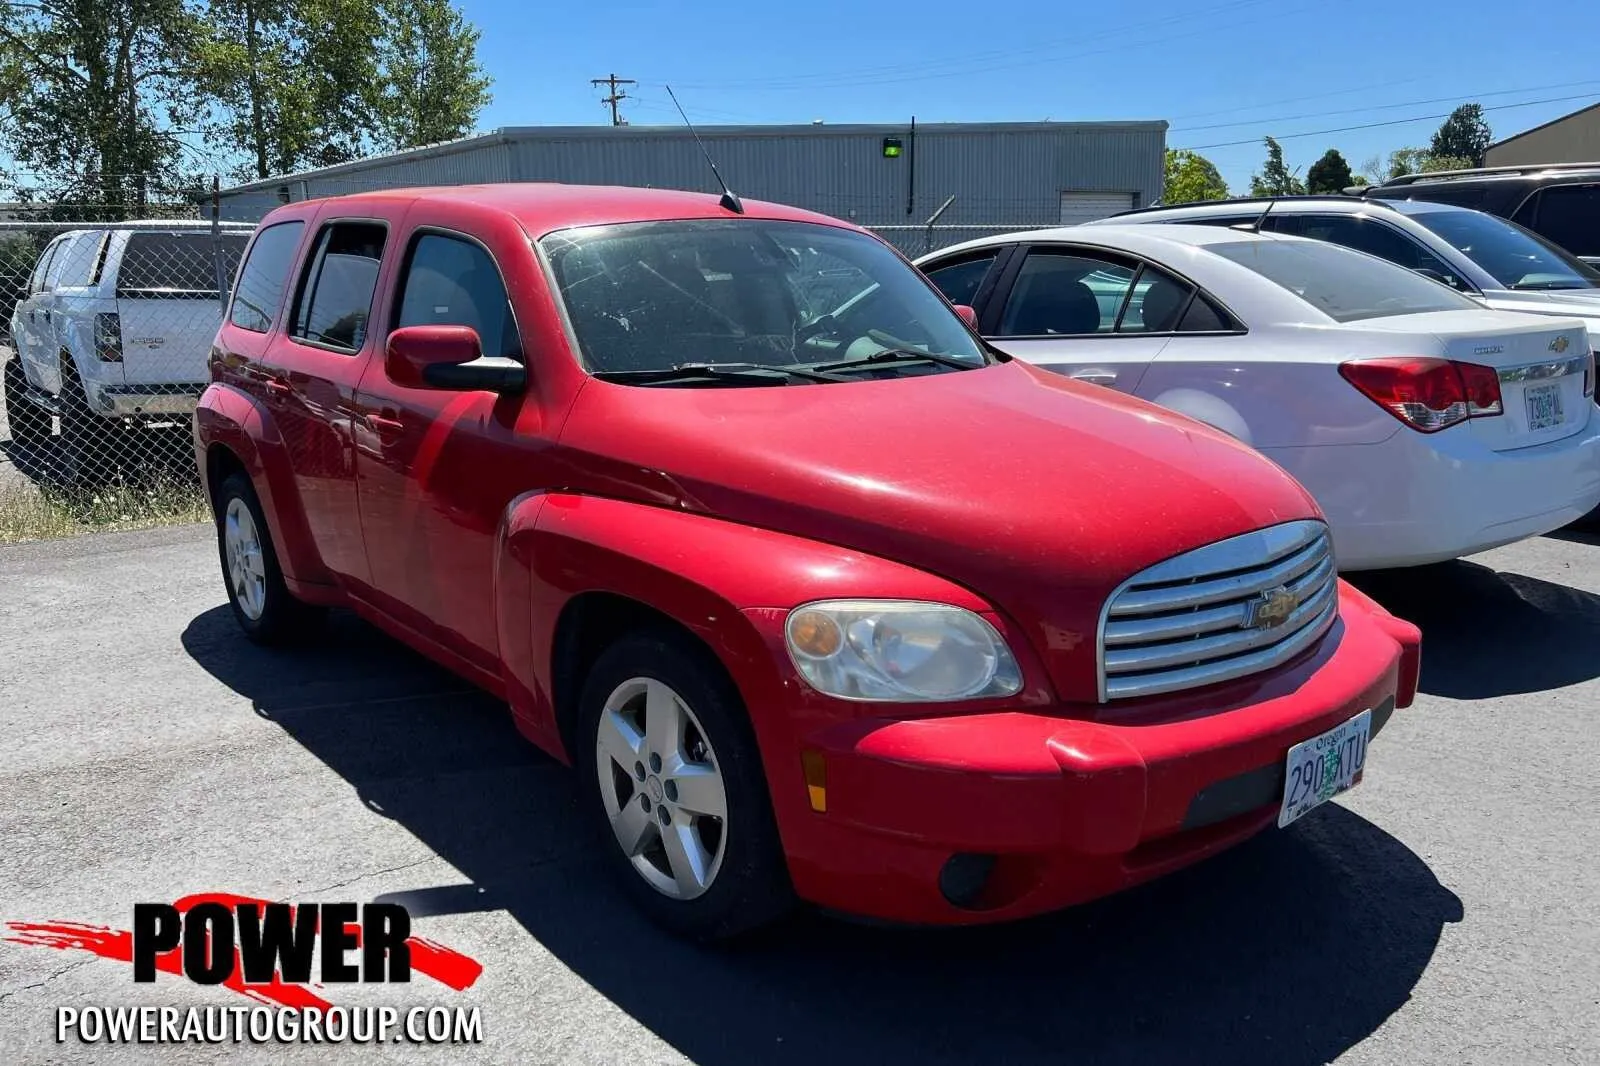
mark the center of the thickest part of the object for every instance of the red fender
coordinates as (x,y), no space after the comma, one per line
(228,417)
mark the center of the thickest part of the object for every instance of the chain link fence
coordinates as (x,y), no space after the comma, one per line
(104,331)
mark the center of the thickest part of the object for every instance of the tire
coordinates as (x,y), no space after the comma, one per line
(727,875)
(262,604)
(30,426)
(83,450)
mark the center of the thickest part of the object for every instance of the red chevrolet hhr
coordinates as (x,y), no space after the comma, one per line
(822,597)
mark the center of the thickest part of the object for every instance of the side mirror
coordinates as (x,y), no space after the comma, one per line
(448,357)
(968,315)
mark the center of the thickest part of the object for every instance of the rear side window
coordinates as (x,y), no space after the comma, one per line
(78,257)
(177,264)
(1066,295)
(1365,235)
(259,293)
(454,282)
(1204,316)
(1158,300)
(43,268)
(959,281)
(1342,284)
(336,295)
(1570,216)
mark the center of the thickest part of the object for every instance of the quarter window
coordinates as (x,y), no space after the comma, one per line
(336,295)
(1570,216)
(259,293)
(453,282)
(959,281)
(1065,294)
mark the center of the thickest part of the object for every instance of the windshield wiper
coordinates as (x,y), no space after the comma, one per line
(743,373)
(1548,286)
(898,355)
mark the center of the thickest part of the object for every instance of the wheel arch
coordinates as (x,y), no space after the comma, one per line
(234,432)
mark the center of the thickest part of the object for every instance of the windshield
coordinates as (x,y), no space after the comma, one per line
(1344,285)
(653,296)
(1512,256)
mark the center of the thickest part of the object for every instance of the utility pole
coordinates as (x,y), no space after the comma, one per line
(616,97)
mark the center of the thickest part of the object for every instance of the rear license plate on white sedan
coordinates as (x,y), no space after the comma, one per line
(1544,406)
(1324,766)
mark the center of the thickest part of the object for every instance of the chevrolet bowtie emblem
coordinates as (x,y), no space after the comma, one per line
(1270,609)
(1559,345)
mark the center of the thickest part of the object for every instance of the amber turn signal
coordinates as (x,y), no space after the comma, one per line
(815,634)
(816,773)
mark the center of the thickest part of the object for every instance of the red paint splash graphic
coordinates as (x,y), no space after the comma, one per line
(448,967)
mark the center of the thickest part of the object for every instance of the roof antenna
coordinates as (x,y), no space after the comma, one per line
(729,201)
(1255,227)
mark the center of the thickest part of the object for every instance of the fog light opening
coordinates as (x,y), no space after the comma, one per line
(963,878)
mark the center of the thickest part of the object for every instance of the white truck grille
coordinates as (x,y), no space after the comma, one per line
(1227,610)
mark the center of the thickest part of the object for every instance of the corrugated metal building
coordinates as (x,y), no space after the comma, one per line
(1573,138)
(892,177)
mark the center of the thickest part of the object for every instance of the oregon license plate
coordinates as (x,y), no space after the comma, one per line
(1324,766)
(1544,406)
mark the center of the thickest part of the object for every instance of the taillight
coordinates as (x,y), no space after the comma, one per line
(108,337)
(1588,376)
(1427,394)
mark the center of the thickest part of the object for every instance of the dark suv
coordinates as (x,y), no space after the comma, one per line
(1559,201)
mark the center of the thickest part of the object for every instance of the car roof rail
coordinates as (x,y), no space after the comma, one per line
(1233,200)
(1477,172)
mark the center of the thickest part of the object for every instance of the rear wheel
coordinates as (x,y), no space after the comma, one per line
(82,450)
(30,425)
(677,784)
(262,604)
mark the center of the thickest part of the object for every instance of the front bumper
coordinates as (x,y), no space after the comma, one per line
(1040,811)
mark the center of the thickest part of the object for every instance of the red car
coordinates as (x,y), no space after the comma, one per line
(824,598)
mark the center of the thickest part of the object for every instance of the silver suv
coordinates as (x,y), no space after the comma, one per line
(113,334)
(1494,261)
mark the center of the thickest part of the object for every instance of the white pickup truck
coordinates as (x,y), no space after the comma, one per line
(113,334)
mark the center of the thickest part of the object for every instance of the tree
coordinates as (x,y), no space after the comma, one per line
(295,81)
(1434,163)
(1330,174)
(1191,177)
(1464,135)
(432,86)
(1275,178)
(93,94)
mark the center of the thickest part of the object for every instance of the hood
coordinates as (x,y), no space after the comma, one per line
(1039,493)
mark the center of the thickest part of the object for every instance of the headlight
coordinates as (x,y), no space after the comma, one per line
(899,650)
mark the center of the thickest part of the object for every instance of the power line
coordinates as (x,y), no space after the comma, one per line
(616,97)
(1383,107)
(1375,125)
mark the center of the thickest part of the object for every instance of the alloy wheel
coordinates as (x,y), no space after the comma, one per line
(663,788)
(247,574)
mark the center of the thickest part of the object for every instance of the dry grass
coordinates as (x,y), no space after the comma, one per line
(34,512)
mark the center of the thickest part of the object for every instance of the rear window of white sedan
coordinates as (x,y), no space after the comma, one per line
(1346,286)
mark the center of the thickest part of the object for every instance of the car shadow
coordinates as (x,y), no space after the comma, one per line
(1289,949)
(1486,633)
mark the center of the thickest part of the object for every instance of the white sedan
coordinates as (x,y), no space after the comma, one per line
(1426,426)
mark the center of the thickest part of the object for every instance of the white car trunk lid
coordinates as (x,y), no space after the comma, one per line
(1544,365)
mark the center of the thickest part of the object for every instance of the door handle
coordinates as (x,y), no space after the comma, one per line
(1095,377)
(383,424)
(278,387)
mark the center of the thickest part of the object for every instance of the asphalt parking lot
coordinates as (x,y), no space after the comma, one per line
(1442,912)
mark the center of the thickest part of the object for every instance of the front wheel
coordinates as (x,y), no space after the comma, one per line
(676,780)
(262,604)
(30,425)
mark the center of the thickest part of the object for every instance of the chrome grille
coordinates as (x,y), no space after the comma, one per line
(1224,611)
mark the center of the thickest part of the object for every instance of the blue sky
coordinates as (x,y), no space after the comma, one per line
(1218,70)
